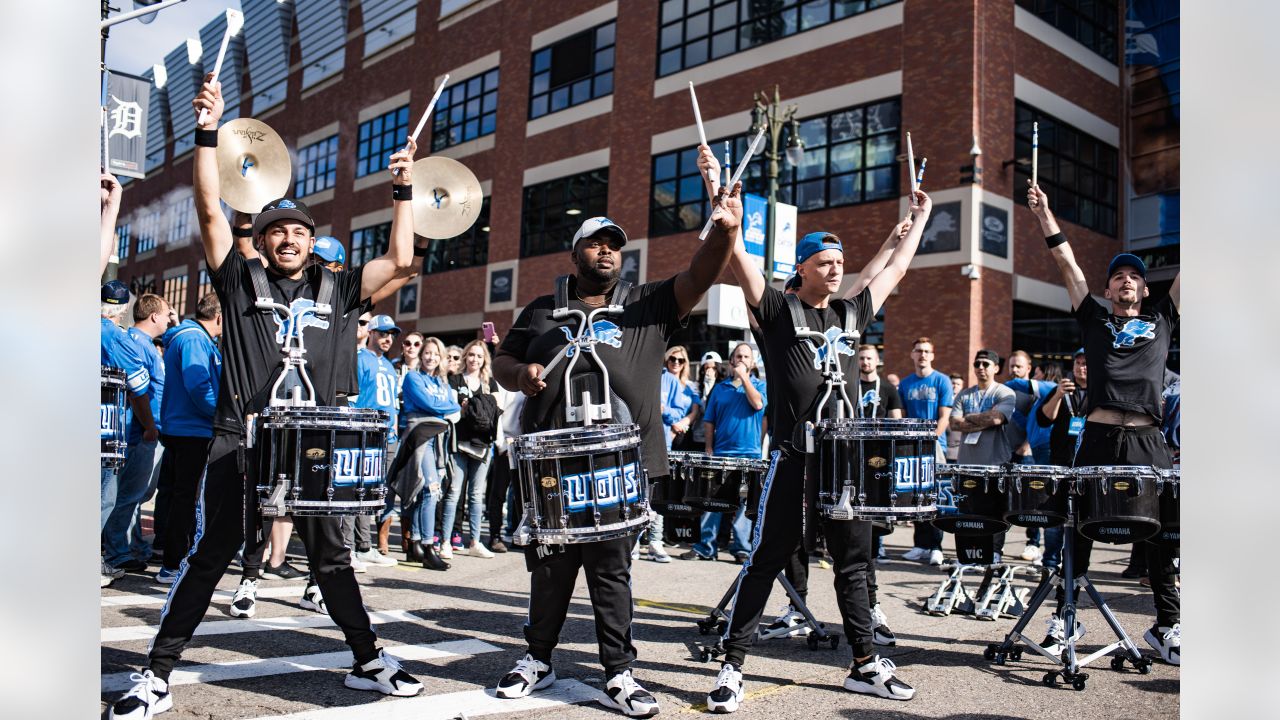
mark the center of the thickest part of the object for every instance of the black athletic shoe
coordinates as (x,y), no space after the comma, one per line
(148,696)
(384,675)
(283,571)
(623,693)
(875,677)
(881,634)
(133,565)
(528,675)
(727,695)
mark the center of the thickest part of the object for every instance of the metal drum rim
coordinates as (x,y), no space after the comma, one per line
(701,460)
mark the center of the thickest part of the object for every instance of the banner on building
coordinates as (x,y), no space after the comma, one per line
(126,124)
(755,215)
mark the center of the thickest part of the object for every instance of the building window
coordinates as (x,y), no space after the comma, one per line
(693,32)
(317,167)
(181,213)
(1092,23)
(466,111)
(553,211)
(469,249)
(849,158)
(206,285)
(175,293)
(148,230)
(379,138)
(1077,170)
(572,71)
(122,241)
(368,243)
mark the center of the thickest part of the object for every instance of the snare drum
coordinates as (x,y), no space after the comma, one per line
(1167,486)
(1118,503)
(755,486)
(111,412)
(971,500)
(666,495)
(876,469)
(582,484)
(320,461)
(720,484)
(1037,495)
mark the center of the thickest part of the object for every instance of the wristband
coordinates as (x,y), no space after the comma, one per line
(244,232)
(401,192)
(206,138)
(1055,240)
(419,251)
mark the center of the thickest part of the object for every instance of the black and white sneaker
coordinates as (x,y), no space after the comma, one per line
(528,675)
(880,633)
(384,675)
(1167,641)
(875,677)
(148,696)
(283,571)
(1055,642)
(245,602)
(727,695)
(623,693)
(312,599)
(789,623)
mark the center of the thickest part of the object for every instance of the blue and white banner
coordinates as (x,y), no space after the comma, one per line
(755,215)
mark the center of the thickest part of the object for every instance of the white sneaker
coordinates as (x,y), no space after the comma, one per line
(789,623)
(915,553)
(880,632)
(445,552)
(727,695)
(245,602)
(935,557)
(1055,640)
(357,564)
(657,553)
(384,675)
(528,675)
(110,574)
(312,600)
(148,696)
(635,551)
(1166,641)
(479,550)
(875,677)
(373,556)
(623,693)
(1032,553)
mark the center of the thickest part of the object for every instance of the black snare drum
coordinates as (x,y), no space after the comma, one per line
(755,486)
(111,412)
(320,461)
(582,484)
(876,469)
(1168,486)
(720,484)
(1118,503)
(1037,494)
(666,494)
(972,500)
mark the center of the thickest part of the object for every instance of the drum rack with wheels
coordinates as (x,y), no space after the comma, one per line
(717,621)
(1071,664)
(996,595)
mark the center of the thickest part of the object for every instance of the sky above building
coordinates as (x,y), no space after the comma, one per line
(132,46)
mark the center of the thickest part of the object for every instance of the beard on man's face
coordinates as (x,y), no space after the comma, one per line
(600,275)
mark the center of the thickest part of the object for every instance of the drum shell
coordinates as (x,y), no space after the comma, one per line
(1117,504)
(111,411)
(755,486)
(720,484)
(666,494)
(1037,495)
(887,464)
(1169,486)
(331,461)
(980,501)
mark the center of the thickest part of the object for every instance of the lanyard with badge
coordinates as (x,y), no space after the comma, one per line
(1076,424)
(971,438)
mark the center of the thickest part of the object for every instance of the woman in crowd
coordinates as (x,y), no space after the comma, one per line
(478,431)
(428,398)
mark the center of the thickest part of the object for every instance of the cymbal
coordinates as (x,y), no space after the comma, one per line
(446,198)
(253,165)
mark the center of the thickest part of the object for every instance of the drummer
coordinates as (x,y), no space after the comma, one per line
(638,339)
(1126,347)
(981,414)
(285,234)
(795,386)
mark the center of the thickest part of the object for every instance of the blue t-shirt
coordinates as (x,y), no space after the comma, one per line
(145,348)
(378,386)
(677,398)
(1028,399)
(118,352)
(737,424)
(922,397)
(429,395)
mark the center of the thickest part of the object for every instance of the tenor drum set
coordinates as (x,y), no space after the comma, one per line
(111,411)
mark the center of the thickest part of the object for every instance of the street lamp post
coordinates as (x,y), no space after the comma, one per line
(770,114)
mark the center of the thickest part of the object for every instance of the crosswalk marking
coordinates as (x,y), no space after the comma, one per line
(242,669)
(234,627)
(467,703)
(132,599)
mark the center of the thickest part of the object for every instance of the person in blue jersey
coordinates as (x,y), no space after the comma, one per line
(927,394)
(120,353)
(122,540)
(378,385)
(733,426)
(192,365)
(428,398)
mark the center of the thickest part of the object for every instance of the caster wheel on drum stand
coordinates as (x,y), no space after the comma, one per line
(1117,663)
(1079,682)
(1015,654)
(1049,678)
(989,654)
(707,625)
(1144,667)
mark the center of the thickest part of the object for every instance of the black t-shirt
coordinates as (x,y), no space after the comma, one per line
(881,390)
(633,356)
(250,348)
(1127,355)
(795,365)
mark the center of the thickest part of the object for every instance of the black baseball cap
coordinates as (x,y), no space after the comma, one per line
(283,209)
(987,355)
(115,292)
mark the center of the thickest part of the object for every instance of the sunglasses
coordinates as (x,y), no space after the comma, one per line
(455,357)
(983,364)
(363,323)
(412,344)
(676,360)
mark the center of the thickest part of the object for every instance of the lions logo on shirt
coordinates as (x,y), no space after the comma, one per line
(296,310)
(833,339)
(870,397)
(1133,329)
(605,331)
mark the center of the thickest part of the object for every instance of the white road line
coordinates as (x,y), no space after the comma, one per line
(243,669)
(127,600)
(234,627)
(468,703)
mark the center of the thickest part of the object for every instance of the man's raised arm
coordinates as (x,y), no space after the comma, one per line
(714,253)
(1072,275)
(399,255)
(887,279)
(215,233)
(880,259)
(111,192)
(740,263)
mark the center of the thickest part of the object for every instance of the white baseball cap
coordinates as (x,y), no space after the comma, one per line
(711,356)
(591,226)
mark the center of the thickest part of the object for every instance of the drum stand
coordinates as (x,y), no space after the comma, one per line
(1070,663)
(718,622)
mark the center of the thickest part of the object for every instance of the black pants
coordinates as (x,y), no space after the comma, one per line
(226,500)
(797,573)
(779,528)
(186,457)
(926,536)
(164,496)
(500,476)
(553,575)
(1103,444)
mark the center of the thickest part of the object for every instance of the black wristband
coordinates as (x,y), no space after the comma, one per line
(401,192)
(206,138)
(1055,240)
(243,232)
(419,251)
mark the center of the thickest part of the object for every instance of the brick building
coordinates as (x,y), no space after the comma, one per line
(573,108)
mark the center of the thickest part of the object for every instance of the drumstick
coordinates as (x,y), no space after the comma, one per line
(1035,152)
(426,114)
(702,135)
(911,165)
(920,176)
(742,165)
(235,21)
